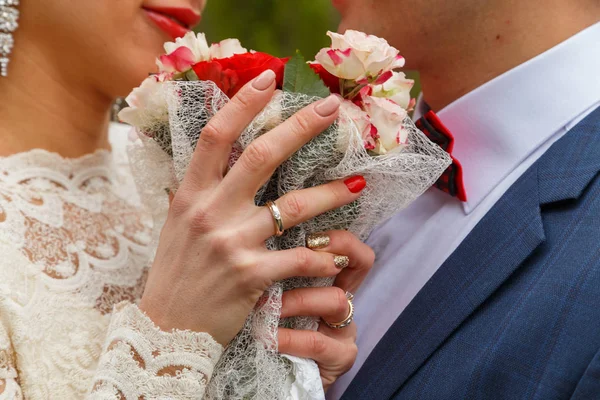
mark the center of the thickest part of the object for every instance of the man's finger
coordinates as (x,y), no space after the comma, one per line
(360,256)
(328,303)
(317,346)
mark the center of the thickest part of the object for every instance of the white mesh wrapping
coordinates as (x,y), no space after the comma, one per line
(250,367)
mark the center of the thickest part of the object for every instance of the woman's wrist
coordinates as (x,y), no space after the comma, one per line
(158,315)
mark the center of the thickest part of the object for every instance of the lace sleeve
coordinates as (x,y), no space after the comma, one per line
(141,361)
(9,383)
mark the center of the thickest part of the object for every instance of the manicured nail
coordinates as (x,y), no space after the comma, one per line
(356,184)
(264,80)
(341,262)
(327,106)
(316,241)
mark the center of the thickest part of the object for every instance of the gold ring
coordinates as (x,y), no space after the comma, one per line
(348,320)
(279,229)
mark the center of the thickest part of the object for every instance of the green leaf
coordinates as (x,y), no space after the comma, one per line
(300,78)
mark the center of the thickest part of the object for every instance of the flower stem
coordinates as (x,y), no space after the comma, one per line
(354,92)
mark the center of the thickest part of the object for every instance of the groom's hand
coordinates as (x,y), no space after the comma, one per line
(334,350)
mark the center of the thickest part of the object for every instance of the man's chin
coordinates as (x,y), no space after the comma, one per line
(348,23)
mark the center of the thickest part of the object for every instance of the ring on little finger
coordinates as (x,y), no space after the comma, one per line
(348,320)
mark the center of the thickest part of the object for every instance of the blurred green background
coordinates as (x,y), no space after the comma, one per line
(277,27)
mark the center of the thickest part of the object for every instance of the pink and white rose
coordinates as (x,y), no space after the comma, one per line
(184,52)
(397,89)
(388,119)
(356,56)
(193,48)
(359,117)
(361,121)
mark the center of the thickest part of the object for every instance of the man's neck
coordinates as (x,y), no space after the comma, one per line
(40,108)
(470,57)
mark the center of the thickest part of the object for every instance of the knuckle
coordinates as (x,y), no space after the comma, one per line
(299,301)
(210,134)
(317,344)
(256,155)
(303,258)
(351,353)
(248,276)
(347,240)
(302,123)
(283,341)
(370,257)
(199,220)
(243,99)
(295,206)
(327,265)
(247,263)
(221,242)
(340,195)
(180,204)
(365,259)
(340,301)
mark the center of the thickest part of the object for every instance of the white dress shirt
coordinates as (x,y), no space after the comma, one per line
(500,130)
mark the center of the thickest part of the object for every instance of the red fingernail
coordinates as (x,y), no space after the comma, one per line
(356,184)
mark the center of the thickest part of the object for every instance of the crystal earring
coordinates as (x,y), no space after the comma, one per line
(8,24)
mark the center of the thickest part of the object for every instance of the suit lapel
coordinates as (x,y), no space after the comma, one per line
(498,245)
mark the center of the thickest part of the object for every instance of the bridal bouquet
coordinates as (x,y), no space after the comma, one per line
(373,137)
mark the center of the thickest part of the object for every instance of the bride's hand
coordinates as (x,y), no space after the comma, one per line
(211,265)
(334,350)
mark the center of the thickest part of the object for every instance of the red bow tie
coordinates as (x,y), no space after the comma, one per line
(451,180)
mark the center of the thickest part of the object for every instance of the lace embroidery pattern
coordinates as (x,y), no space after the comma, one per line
(68,218)
(75,243)
(179,363)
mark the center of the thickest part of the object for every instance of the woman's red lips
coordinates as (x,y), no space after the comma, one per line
(166,24)
(188,17)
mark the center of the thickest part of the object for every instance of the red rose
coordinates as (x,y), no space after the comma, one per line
(231,74)
(331,81)
(213,71)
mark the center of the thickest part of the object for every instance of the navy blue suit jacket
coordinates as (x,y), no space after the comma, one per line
(514,313)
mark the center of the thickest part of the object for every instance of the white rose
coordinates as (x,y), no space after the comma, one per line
(226,48)
(356,55)
(147,104)
(397,89)
(387,117)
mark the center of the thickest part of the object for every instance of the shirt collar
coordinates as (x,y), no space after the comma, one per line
(498,125)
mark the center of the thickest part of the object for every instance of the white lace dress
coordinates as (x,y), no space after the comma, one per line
(74,254)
